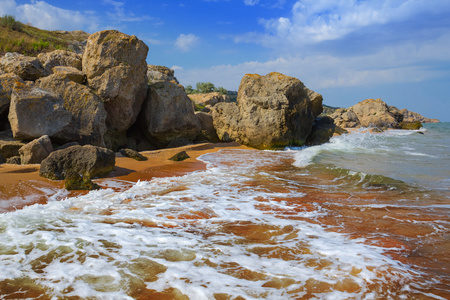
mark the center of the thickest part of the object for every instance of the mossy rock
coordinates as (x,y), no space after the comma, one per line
(411,125)
(132,154)
(75,181)
(377,129)
(180,156)
(339,130)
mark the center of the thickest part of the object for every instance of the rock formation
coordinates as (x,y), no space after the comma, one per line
(115,66)
(63,58)
(272,111)
(410,116)
(88,161)
(160,73)
(168,114)
(209,98)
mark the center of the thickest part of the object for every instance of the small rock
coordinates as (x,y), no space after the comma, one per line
(2,159)
(75,181)
(132,154)
(411,125)
(36,151)
(180,156)
(14,160)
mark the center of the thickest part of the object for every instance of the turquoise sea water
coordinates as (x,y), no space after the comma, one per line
(365,216)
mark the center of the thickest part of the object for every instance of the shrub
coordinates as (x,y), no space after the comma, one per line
(10,22)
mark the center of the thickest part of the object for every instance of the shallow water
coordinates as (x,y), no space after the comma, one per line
(346,220)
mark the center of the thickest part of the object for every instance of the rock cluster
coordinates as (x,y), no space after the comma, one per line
(107,98)
(375,113)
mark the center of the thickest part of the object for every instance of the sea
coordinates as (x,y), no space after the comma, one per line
(365,216)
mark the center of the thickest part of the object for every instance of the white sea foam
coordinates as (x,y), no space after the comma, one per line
(99,244)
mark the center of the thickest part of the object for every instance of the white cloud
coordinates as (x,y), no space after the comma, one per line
(46,16)
(251,2)
(177,68)
(120,15)
(186,42)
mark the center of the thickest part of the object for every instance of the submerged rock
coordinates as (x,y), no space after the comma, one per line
(75,181)
(88,161)
(411,125)
(272,111)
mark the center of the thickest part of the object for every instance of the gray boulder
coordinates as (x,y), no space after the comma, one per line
(272,111)
(36,151)
(35,112)
(88,161)
(322,131)
(86,110)
(207,132)
(26,67)
(168,114)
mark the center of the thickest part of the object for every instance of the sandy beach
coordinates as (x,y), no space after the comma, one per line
(21,185)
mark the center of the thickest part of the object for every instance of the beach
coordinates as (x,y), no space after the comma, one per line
(364,216)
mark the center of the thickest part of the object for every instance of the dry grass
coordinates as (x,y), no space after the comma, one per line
(29,40)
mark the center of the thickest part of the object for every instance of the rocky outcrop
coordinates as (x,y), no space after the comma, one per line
(86,110)
(272,111)
(374,113)
(63,58)
(209,98)
(322,131)
(36,151)
(26,67)
(7,82)
(115,66)
(35,112)
(410,116)
(88,161)
(168,114)
(160,73)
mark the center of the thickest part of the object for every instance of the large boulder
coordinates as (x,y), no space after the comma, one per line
(410,116)
(160,73)
(87,112)
(35,112)
(168,114)
(36,151)
(322,131)
(375,113)
(88,161)
(63,58)
(26,67)
(71,73)
(116,69)
(272,111)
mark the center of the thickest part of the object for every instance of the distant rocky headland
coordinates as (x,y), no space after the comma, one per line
(85,105)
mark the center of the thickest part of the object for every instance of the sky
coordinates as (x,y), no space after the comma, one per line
(346,50)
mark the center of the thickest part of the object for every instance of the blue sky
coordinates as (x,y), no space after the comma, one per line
(347,50)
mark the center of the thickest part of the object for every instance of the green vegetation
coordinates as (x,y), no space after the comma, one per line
(205,87)
(29,40)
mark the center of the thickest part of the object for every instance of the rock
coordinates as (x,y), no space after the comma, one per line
(67,145)
(36,151)
(88,161)
(374,113)
(14,160)
(35,112)
(209,98)
(115,66)
(345,118)
(178,142)
(2,159)
(208,132)
(180,156)
(160,73)
(411,125)
(272,112)
(71,73)
(63,58)
(339,130)
(75,181)
(26,67)
(86,110)
(410,116)
(322,131)
(7,82)
(9,147)
(132,154)
(168,114)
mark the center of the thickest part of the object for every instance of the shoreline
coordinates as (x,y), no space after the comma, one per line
(21,185)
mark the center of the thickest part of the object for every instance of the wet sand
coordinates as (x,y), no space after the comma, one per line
(21,185)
